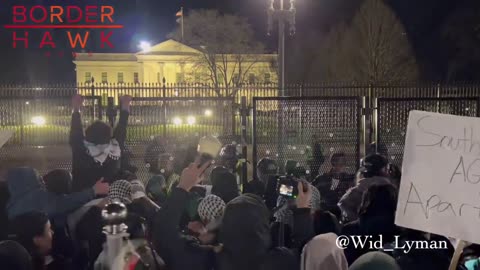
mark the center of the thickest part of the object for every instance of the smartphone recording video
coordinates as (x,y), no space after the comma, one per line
(287,186)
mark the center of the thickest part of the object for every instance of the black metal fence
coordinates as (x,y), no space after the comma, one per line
(391,119)
(292,127)
(196,90)
(314,115)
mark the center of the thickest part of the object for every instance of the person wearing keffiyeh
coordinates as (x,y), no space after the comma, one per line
(96,153)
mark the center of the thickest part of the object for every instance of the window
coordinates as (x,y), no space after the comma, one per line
(135,77)
(88,77)
(120,77)
(251,78)
(180,77)
(104,77)
(267,77)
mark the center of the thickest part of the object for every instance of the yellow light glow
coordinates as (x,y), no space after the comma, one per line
(177,121)
(208,113)
(191,120)
(39,120)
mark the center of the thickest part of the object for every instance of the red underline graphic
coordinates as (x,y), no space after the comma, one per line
(64,26)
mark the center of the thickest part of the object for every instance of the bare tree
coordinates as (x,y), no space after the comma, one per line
(462,35)
(373,48)
(228,48)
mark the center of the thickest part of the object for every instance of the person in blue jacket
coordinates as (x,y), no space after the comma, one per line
(28,193)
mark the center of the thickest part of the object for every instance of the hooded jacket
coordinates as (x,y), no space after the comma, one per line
(322,252)
(351,201)
(177,250)
(375,261)
(85,170)
(28,194)
(245,233)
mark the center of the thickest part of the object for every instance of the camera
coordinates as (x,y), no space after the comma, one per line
(287,186)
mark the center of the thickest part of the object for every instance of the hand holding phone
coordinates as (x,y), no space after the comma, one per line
(287,187)
(208,149)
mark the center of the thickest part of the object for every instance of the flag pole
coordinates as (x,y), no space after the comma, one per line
(182,23)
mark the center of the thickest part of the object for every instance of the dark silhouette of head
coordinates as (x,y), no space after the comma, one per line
(325,222)
(375,165)
(338,161)
(33,231)
(98,133)
(58,181)
(379,200)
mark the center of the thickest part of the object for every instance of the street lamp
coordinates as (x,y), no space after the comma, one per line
(283,16)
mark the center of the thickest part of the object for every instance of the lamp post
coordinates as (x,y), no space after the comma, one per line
(283,16)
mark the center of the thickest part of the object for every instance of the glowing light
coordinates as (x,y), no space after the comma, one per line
(28,103)
(38,89)
(208,113)
(39,120)
(191,120)
(145,46)
(177,121)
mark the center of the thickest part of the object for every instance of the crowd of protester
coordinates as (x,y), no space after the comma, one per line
(190,214)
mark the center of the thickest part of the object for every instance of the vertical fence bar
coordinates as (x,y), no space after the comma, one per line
(22,132)
(375,108)
(365,133)
(254,138)
(93,99)
(438,97)
(360,117)
(111,112)
(244,115)
(164,104)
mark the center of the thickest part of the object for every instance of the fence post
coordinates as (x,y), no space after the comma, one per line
(22,131)
(244,140)
(369,116)
(375,122)
(164,104)
(438,97)
(254,137)
(365,132)
(111,112)
(94,100)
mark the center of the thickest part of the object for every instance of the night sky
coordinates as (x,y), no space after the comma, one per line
(152,20)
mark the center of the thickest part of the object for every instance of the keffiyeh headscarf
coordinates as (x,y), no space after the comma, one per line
(100,152)
(120,190)
(211,208)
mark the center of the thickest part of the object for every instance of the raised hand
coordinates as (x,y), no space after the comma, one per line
(192,175)
(304,195)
